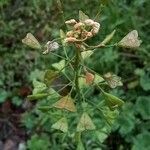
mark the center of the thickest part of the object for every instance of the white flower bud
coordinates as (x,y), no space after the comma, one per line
(89,22)
(96,28)
(71,22)
(70,40)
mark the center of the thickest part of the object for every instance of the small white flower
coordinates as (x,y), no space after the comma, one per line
(96,28)
(130,40)
(51,46)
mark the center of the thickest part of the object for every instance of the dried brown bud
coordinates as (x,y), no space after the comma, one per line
(89,77)
(89,34)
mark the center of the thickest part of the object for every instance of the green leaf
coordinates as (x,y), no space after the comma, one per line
(104,2)
(110,115)
(61,125)
(41,142)
(36,74)
(82,16)
(38,87)
(82,83)
(86,54)
(52,94)
(126,120)
(98,79)
(145,81)
(85,123)
(143,106)
(37,96)
(62,36)
(3,95)
(112,101)
(102,134)
(60,65)
(108,37)
(49,76)
(80,146)
(141,142)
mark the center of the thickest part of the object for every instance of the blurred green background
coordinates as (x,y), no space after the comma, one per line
(19,65)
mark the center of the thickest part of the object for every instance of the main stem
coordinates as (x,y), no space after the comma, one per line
(77,68)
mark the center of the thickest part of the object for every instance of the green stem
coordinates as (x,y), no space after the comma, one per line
(77,70)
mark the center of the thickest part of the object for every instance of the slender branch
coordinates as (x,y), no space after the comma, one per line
(101,45)
(77,69)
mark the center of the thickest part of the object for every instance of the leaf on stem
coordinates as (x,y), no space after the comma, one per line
(37,96)
(50,76)
(31,41)
(62,36)
(110,115)
(86,54)
(108,38)
(60,65)
(112,101)
(38,87)
(85,123)
(98,79)
(66,103)
(61,124)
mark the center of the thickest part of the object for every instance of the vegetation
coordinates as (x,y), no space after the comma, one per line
(20,67)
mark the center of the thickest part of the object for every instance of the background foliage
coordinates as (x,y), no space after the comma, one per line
(19,65)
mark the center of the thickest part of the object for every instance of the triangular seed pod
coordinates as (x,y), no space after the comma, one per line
(61,125)
(31,41)
(66,103)
(85,123)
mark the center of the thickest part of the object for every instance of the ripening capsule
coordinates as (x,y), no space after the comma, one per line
(89,77)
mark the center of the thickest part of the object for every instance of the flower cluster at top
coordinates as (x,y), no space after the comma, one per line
(81,31)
